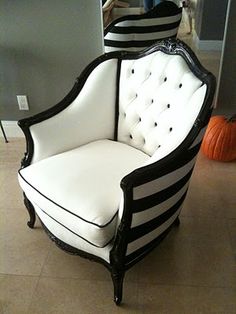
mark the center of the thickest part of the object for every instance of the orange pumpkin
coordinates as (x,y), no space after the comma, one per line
(219,142)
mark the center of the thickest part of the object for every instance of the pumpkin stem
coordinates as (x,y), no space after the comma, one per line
(232,118)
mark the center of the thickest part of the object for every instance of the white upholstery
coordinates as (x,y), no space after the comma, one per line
(78,192)
(160,98)
(161,186)
(83,120)
(72,239)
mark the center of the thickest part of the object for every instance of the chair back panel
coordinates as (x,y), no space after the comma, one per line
(159,100)
(136,32)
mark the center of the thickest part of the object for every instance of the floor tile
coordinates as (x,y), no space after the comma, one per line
(191,256)
(54,295)
(62,265)
(16,293)
(232,232)
(207,194)
(180,299)
(23,250)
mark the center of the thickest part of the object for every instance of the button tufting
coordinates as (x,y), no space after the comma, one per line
(168,105)
(170,129)
(132,71)
(136,95)
(124,115)
(165,79)
(130,136)
(139,119)
(155,124)
(180,85)
(158,146)
(152,101)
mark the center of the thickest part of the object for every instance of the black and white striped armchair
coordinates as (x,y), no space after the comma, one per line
(136,32)
(107,169)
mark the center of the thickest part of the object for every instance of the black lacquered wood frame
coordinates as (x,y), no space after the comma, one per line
(119,262)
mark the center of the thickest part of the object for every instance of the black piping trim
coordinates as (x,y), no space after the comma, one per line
(92,223)
(100,247)
(141,230)
(159,197)
(144,29)
(133,43)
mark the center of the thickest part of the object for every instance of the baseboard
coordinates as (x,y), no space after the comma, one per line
(215,45)
(11,129)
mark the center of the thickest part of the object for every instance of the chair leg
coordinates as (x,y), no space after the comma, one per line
(31,212)
(3,132)
(117,278)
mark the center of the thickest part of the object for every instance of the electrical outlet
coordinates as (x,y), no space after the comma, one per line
(22,102)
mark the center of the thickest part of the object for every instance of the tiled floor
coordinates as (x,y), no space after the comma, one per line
(192,271)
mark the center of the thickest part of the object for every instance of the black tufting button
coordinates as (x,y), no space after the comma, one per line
(168,106)
(132,71)
(180,85)
(124,115)
(130,136)
(152,101)
(165,79)
(155,124)
(136,95)
(158,146)
(139,119)
(170,129)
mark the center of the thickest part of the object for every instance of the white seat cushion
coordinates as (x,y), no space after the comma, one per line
(80,189)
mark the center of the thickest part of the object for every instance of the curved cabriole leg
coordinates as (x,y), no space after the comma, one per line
(31,212)
(117,278)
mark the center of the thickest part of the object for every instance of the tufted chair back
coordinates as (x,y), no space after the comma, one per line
(159,100)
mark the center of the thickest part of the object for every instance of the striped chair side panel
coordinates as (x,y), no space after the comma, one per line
(158,203)
(134,35)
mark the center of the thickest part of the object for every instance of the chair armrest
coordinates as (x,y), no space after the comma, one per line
(86,114)
(152,199)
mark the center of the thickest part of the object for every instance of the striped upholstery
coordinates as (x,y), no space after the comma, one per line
(166,92)
(158,203)
(109,182)
(136,32)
